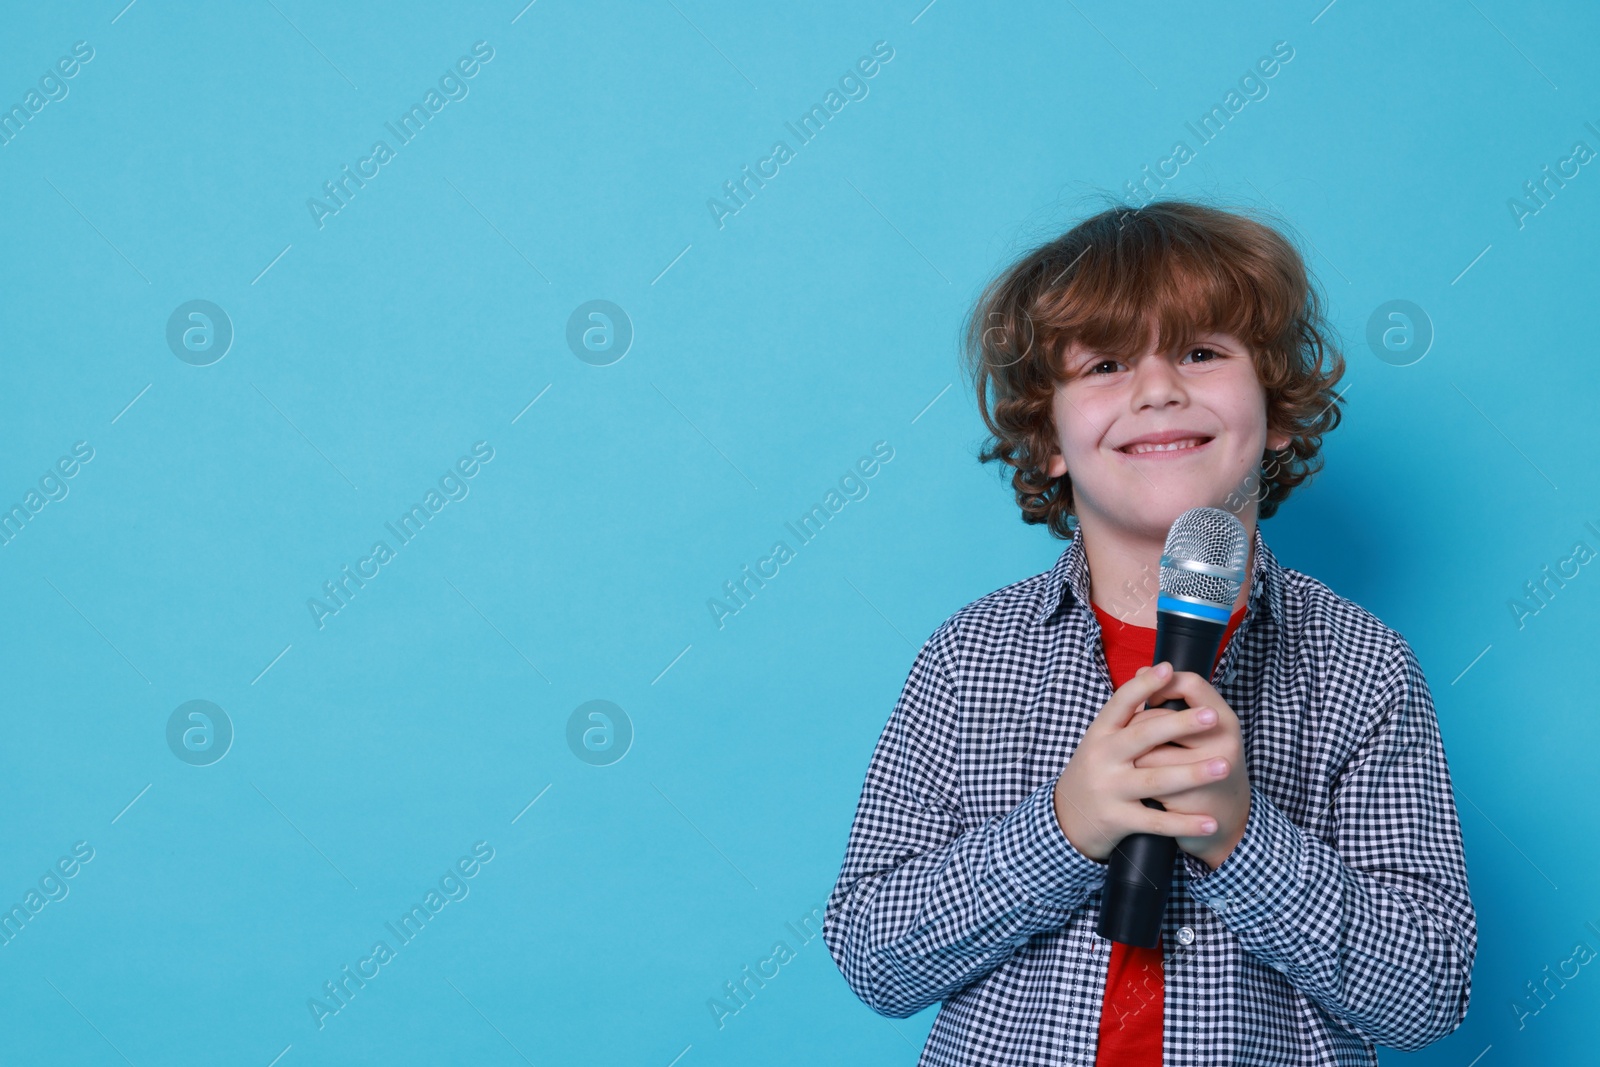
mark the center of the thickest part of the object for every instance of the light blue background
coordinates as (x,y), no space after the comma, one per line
(769,356)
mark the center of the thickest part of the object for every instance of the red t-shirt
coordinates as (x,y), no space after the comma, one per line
(1131,1014)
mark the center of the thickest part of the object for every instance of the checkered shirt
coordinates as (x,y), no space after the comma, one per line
(1341,921)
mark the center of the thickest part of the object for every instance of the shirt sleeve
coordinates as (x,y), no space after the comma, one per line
(1378,928)
(926,904)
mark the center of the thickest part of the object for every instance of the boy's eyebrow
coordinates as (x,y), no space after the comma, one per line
(1212,337)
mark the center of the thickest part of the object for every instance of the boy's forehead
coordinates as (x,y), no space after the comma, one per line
(1189,336)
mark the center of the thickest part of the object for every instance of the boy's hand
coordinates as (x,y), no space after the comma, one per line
(1097,796)
(1225,799)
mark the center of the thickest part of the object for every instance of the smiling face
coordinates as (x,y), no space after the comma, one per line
(1148,440)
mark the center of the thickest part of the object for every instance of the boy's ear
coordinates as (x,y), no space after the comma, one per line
(1057,466)
(1278,442)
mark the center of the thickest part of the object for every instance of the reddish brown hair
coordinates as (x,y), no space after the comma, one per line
(1187,267)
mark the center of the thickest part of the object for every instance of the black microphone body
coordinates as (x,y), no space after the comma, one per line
(1140,867)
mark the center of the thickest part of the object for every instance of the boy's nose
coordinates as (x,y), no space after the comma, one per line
(1156,382)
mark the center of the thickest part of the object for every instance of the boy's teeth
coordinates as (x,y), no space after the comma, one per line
(1168,447)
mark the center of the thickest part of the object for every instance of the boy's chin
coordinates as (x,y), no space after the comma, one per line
(1156,518)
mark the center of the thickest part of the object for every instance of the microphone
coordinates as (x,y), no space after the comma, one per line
(1202,568)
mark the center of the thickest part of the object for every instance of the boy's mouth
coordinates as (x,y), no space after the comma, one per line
(1184,446)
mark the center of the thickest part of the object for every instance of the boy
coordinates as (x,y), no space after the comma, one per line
(1143,364)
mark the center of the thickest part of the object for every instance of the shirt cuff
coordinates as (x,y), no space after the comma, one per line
(1031,849)
(1260,873)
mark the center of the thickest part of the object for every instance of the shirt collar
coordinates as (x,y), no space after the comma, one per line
(1068,581)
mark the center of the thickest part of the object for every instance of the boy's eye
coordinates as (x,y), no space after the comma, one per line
(1097,368)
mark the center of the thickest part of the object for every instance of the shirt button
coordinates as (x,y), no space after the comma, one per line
(1185,936)
(1219,903)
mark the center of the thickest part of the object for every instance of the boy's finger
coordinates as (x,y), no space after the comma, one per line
(1185,750)
(1176,728)
(1190,687)
(1125,702)
(1145,716)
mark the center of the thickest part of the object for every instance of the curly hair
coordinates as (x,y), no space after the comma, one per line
(1190,268)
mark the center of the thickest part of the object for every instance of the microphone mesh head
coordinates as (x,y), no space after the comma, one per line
(1210,537)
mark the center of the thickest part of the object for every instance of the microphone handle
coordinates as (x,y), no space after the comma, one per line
(1139,878)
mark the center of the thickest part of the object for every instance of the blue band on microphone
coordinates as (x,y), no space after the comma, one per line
(1200,609)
